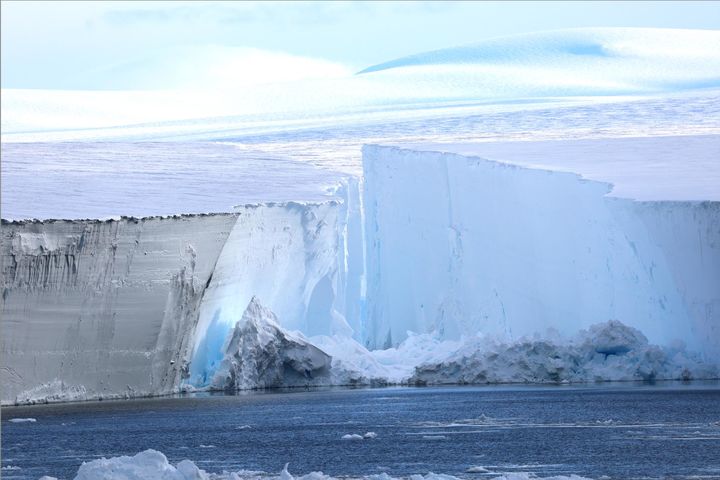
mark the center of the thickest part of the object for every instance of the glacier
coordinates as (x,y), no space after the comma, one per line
(483,209)
(141,306)
(138,306)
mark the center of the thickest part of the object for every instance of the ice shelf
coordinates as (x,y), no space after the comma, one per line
(399,276)
(74,180)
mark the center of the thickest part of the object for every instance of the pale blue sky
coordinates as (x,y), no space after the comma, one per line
(66,44)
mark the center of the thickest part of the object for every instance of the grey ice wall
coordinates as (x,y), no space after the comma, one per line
(113,308)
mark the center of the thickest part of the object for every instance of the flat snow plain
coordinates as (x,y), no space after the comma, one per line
(74,180)
(659,168)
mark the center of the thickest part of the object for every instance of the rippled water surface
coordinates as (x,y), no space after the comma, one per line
(622,431)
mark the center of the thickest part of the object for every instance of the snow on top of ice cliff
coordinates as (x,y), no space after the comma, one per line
(672,168)
(99,180)
(570,62)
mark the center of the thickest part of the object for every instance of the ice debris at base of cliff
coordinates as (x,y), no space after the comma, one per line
(151,464)
(259,353)
(609,351)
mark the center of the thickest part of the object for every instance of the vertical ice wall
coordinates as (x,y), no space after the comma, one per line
(459,245)
(132,307)
(288,255)
(102,308)
(351,259)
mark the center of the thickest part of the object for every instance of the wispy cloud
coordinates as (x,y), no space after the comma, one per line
(229,13)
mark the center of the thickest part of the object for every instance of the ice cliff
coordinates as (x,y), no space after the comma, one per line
(441,274)
(135,306)
(458,244)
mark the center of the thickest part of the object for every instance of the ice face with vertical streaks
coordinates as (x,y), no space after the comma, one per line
(474,245)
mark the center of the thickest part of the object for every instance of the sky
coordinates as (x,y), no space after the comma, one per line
(106,45)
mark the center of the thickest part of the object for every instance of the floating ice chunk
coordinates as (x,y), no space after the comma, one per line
(22,420)
(477,469)
(434,437)
(370,435)
(207,446)
(152,465)
(146,465)
(10,467)
(609,421)
(352,436)
(244,427)
(190,471)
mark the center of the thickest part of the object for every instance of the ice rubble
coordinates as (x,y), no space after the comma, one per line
(609,351)
(259,353)
(153,465)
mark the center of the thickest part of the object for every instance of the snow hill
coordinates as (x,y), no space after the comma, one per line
(565,64)
(597,61)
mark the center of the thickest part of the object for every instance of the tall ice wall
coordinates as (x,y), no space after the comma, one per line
(460,245)
(107,309)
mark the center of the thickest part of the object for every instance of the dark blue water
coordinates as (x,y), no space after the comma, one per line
(623,431)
